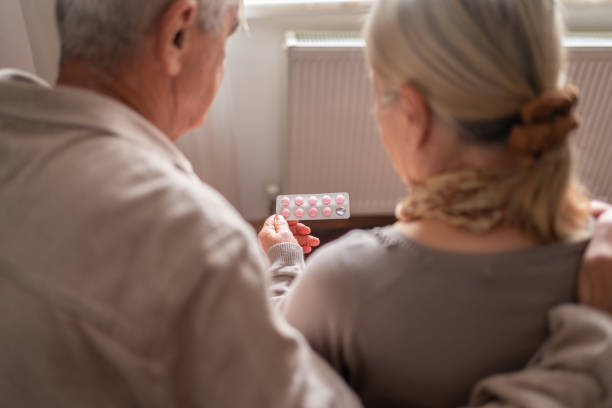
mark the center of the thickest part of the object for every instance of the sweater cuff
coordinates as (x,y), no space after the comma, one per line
(286,253)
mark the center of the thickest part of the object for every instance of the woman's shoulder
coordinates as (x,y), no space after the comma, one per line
(355,246)
(387,254)
(340,275)
(356,256)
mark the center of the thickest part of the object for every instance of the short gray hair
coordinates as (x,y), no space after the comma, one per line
(108,31)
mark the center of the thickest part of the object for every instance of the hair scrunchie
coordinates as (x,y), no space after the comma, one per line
(545,122)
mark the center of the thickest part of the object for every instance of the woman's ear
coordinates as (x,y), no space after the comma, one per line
(417,112)
(174,34)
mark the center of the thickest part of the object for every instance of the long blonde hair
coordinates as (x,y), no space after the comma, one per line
(477,63)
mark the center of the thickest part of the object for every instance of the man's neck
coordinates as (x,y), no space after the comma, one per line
(122,86)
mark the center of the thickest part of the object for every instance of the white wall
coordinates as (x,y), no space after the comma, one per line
(593,17)
(257,69)
(40,23)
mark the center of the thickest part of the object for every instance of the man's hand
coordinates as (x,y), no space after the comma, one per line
(276,230)
(595,280)
(302,233)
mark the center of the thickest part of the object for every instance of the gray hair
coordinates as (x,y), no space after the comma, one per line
(108,31)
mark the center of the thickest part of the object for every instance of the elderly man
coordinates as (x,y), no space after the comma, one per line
(126,281)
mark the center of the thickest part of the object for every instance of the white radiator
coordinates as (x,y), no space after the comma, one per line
(591,69)
(333,142)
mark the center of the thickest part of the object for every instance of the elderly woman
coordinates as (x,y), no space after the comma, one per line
(475,116)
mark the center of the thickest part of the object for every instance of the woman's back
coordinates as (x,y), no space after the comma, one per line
(408,325)
(474,113)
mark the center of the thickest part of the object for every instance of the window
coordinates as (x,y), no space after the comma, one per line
(587,2)
(581,15)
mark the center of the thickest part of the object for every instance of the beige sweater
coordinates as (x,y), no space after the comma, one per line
(125,281)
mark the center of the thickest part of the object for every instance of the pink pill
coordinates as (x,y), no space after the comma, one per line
(327,211)
(326,200)
(285,201)
(286,213)
(313,212)
(299,200)
(299,212)
(312,200)
(340,199)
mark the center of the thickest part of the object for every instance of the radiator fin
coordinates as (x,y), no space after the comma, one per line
(324,39)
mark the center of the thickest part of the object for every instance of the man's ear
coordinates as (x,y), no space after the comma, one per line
(417,112)
(174,33)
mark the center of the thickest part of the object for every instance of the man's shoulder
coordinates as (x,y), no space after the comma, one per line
(113,185)
(119,227)
(135,179)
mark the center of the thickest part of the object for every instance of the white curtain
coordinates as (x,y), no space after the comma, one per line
(15,50)
(40,21)
(212,148)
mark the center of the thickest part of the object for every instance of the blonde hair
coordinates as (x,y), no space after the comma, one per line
(477,63)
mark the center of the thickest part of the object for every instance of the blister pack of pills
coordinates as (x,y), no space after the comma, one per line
(309,207)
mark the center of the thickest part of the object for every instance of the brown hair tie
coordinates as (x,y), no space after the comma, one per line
(545,122)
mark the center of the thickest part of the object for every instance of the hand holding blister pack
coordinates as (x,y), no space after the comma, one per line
(311,207)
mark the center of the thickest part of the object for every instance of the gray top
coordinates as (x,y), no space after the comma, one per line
(408,325)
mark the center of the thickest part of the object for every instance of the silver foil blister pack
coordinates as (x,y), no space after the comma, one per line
(311,207)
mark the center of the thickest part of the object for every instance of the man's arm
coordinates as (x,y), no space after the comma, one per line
(233,351)
(286,265)
(573,369)
(285,244)
(595,282)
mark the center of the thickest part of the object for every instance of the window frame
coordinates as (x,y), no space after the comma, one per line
(581,15)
